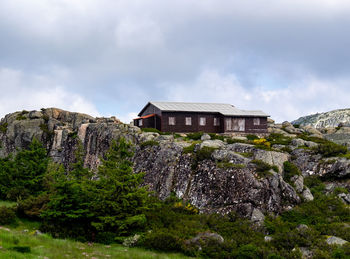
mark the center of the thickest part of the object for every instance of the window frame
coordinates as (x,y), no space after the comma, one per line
(202,119)
(140,123)
(256,122)
(188,119)
(216,121)
(171,121)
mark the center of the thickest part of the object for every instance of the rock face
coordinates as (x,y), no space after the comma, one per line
(222,181)
(325,120)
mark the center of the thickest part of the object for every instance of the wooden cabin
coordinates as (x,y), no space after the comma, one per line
(206,117)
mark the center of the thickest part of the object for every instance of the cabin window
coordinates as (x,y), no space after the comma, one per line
(188,121)
(256,121)
(202,121)
(171,120)
(228,124)
(238,124)
(140,122)
(216,121)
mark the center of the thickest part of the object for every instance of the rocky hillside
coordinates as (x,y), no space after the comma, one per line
(330,119)
(215,174)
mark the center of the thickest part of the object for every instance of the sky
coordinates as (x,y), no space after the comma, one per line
(288,58)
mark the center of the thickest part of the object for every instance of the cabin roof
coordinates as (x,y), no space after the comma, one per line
(223,108)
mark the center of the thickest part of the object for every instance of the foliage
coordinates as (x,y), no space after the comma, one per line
(315,184)
(290,170)
(195,135)
(33,206)
(262,143)
(235,140)
(3,127)
(246,154)
(7,215)
(23,175)
(157,131)
(149,143)
(204,153)
(263,169)
(110,207)
(216,136)
(330,149)
(279,139)
(162,240)
(252,137)
(338,190)
(189,149)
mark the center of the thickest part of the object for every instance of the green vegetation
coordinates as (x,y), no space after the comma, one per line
(149,143)
(330,149)
(189,149)
(3,127)
(246,154)
(279,139)
(290,170)
(72,135)
(216,136)
(23,175)
(157,131)
(252,137)
(21,116)
(263,169)
(112,208)
(195,135)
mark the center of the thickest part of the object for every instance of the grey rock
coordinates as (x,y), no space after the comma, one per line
(272,158)
(35,115)
(298,181)
(205,137)
(333,240)
(212,144)
(302,227)
(268,238)
(257,217)
(298,142)
(202,238)
(230,156)
(38,233)
(345,198)
(287,124)
(270,121)
(148,136)
(164,138)
(292,130)
(307,195)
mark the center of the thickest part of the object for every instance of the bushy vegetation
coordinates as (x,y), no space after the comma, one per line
(290,170)
(3,127)
(23,175)
(113,207)
(330,149)
(263,169)
(279,139)
(195,135)
(149,143)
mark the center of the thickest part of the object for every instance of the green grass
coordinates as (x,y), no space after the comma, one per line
(7,203)
(44,246)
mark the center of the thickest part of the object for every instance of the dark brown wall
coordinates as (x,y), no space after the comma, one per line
(151,109)
(250,127)
(151,122)
(180,125)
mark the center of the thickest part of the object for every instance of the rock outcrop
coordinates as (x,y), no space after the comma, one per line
(222,181)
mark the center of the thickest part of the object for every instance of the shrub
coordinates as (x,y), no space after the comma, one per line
(149,143)
(216,136)
(189,149)
(7,215)
(204,153)
(248,252)
(252,137)
(151,130)
(339,190)
(33,206)
(279,139)
(163,240)
(227,165)
(21,249)
(263,169)
(3,127)
(315,184)
(262,143)
(331,149)
(20,117)
(195,135)
(290,170)
(234,140)
(246,154)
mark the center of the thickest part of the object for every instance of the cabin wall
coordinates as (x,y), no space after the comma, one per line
(151,122)
(249,126)
(151,109)
(180,122)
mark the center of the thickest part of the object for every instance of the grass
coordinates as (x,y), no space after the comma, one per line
(7,203)
(44,246)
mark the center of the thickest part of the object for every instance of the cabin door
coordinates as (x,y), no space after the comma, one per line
(238,124)
(228,124)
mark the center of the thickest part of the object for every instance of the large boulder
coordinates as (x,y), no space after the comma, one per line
(272,158)
(216,143)
(333,240)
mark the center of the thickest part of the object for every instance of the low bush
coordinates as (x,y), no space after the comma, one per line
(339,190)
(263,169)
(7,215)
(33,206)
(252,137)
(235,140)
(330,149)
(216,136)
(204,153)
(195,135)
(21,249)
(262,143)
(227,165)
(279,139)
(290,170)
(315,184)
(162,240)
(151,130)
(189,149)
(246,154)
(149,143)
(3,127)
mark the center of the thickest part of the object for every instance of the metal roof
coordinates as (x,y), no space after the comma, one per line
(223,108)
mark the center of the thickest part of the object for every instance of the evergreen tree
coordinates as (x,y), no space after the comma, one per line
(23,175)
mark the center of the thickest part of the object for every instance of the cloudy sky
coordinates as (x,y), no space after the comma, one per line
(109,57)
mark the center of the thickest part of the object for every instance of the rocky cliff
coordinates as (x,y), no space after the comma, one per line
(224,180)
(325,120)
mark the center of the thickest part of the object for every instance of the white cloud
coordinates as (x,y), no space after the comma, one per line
(20,91)
(308,96)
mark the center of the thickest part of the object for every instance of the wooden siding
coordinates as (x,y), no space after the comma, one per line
(180,122)
(151,109)
(249,125)
(151,122)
